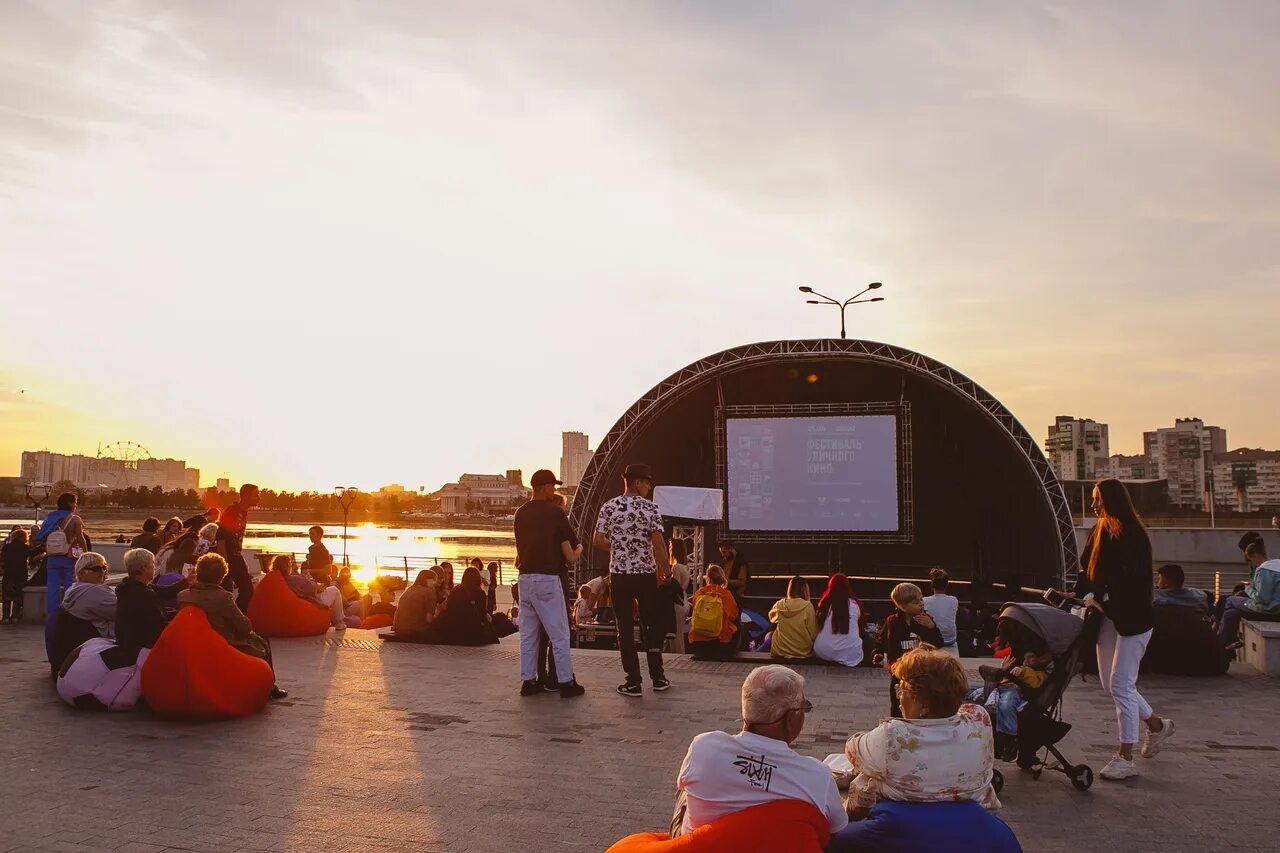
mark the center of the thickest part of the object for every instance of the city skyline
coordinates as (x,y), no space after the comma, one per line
(361,250)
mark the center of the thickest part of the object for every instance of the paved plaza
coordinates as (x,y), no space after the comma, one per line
(386,747)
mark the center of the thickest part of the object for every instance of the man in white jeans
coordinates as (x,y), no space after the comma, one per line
(544,543)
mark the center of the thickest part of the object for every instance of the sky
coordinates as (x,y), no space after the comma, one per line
(322,242)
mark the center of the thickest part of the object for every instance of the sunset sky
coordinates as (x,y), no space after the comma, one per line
(310,243)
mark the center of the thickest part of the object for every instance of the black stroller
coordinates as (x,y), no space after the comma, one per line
(1040,724)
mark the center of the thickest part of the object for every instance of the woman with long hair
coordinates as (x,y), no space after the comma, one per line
(1117,582)
(840,622)
(465,620)
(795,623)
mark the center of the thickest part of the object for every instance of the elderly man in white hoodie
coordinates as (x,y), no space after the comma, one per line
(89,598)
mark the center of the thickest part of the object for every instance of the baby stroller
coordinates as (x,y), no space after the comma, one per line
(1040,724)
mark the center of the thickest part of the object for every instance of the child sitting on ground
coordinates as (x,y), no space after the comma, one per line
(1014,686)
(583,613)
(204,544)
(902,630)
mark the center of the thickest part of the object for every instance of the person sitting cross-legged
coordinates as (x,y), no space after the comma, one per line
(304,587)
(219,606)
(723,774)
(418,608)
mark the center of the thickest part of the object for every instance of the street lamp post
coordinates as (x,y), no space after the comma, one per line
(852,300)
(38,493)
(346,497)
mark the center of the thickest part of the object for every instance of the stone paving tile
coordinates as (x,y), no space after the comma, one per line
(392,747)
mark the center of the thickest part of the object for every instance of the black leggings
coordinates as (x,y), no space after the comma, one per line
(12,603)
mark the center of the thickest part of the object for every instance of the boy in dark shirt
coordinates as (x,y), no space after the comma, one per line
(902,630)
(319,560)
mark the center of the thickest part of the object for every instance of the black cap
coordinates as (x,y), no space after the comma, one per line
(543,477)
(638,472)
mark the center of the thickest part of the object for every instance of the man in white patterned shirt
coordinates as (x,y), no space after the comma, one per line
(629,527)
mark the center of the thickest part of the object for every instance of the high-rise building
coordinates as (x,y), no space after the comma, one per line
(1184,455)
(1247,480)
(1136,467)
(96,472)
(1078,448)
(575,455)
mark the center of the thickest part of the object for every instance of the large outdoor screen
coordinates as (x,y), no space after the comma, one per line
(835,474)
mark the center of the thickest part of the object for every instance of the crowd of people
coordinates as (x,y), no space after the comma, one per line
(659,602)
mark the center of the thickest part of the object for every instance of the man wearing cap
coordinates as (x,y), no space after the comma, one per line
(543,546)
(630,529)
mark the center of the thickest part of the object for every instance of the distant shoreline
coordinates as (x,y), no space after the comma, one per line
(118,515)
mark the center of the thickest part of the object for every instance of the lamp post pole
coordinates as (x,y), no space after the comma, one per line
(38,493)
(843,306)
(346,497)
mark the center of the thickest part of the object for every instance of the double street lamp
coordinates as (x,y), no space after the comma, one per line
(346,497)
(852,300)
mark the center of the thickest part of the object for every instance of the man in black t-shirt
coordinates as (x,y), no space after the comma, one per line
(543,545)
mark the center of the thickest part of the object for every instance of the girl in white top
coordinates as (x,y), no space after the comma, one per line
(839,639)
(680,571)
(943,607)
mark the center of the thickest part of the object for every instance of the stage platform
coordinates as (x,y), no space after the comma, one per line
(389,747)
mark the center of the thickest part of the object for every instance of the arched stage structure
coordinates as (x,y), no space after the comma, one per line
(979,496)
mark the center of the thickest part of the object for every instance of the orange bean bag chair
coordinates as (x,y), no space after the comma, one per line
(377,620)
(783,826)
(276,611)
(193,673)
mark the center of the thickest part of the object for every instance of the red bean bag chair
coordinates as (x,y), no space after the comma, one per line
(376,621)
(783,826)
(193,673)
(276,611)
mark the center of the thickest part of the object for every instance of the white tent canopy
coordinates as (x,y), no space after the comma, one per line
(688,502)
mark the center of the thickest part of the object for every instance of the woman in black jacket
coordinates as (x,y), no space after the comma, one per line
(1117,582)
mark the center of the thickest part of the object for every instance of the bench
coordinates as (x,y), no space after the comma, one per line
(1261,644)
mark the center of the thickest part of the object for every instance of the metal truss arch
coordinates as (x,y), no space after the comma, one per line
(597,483)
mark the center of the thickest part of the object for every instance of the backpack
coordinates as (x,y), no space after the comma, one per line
(56,544)
(708,616)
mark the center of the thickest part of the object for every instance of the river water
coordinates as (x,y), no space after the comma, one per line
(369,546)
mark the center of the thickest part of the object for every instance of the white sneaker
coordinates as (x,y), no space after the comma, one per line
(341,626)
(1154,741)
(1119,768)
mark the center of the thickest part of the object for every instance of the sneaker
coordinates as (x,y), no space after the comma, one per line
(1154,741)
(530,688)
(631,688)
(660,684)
(341,626)
(1119,768)
(571,688)
(277,693)
(549,686)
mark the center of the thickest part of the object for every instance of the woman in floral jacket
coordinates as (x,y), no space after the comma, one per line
(940,751)
(924,781)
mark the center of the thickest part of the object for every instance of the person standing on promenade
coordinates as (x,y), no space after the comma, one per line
(543,546)
(231,526)
(630,529)
(62,536)
(1117,583)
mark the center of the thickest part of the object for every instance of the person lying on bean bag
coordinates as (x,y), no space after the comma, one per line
(276,610)
(223,615)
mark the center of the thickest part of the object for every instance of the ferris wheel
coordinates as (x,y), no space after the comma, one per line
(127,452)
